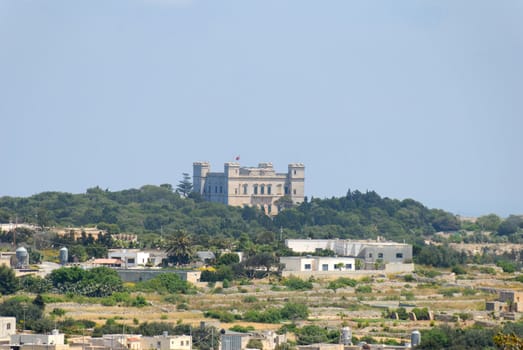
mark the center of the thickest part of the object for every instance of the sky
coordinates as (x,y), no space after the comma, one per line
(411,99)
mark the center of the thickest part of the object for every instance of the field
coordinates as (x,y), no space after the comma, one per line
(458,300)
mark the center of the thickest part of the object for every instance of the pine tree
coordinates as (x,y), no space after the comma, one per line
(185,185)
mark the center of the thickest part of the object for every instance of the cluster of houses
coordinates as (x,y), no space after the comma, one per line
(350,257)
(10,339)
(345,257)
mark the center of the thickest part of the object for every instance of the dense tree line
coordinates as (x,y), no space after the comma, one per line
(155,212)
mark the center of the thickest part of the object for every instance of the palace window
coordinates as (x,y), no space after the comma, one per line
(286,190)
(399,255)
(307,266)
(325,267)
(244,189)
(268,189)
(380,255)
(262,189)
(255,189)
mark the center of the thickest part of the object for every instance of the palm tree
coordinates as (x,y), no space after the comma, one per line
(179,248)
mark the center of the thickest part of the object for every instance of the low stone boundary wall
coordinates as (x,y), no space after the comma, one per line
(389,269)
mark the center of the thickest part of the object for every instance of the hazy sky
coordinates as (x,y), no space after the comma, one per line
(412,99)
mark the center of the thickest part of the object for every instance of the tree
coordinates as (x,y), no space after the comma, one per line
(8,281)
(284,202)
(510,225)
(185,185)
(25,312)
(179,248)
(228,259)
(39,302)
(489,222)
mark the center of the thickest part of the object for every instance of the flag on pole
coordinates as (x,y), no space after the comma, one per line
(237,158)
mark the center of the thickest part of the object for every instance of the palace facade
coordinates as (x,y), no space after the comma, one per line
(257,186)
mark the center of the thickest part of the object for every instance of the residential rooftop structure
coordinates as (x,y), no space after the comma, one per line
(257,186)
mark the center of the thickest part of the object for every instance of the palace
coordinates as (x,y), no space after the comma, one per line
(250,186)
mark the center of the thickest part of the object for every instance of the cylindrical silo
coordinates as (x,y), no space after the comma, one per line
(346,336)
(22,257)
(64,255)
(415,338)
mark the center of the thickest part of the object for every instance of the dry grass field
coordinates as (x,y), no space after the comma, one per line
(363,312)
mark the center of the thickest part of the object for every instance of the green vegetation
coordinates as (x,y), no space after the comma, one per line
(8,281)
(241,329)
(156,209)
(312,334)
(296,283)
(445,337)
(165,283)
(95,282)
(341,282)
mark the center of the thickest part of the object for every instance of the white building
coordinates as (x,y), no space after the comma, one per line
(167,342)
(7,328)
(318,263)
(129,257)
(55,338)
(239,341)
(252,186)
(368,251)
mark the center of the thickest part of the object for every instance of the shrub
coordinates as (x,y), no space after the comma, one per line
(241,329)
(421,314)
(507,266)
(295,283)
(469,291)
(459,270)
(408,295)
(487,269)
(409,278)
(250,299)
(139,301)
(58,312)
(270,315)
(223,316)
(182,306)
(364,289)
(294,311)
(166,283)
(108,301)
(449,292)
